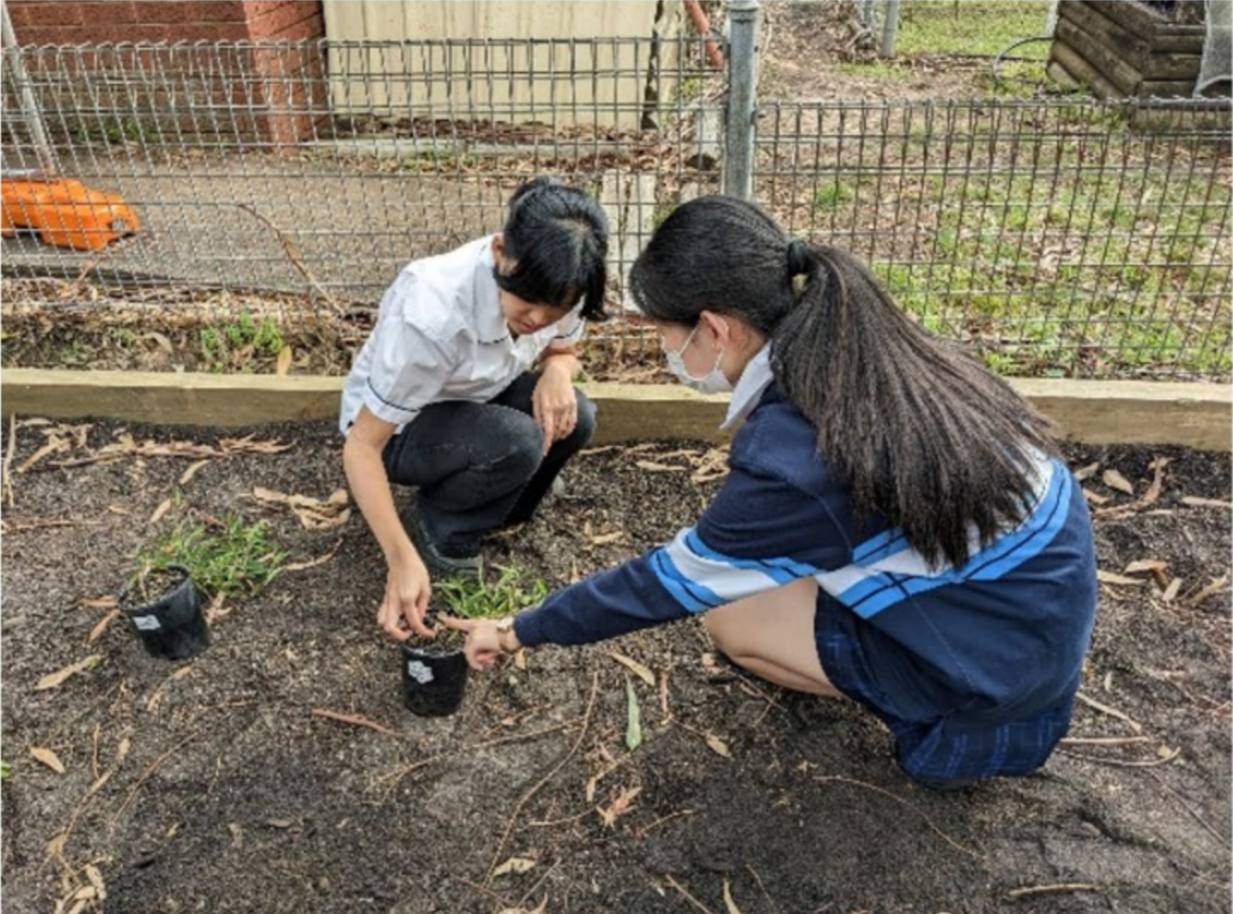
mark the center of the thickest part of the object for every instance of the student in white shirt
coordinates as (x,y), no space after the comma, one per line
(464,390)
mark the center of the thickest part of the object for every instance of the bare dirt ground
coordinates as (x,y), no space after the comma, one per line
(211,786)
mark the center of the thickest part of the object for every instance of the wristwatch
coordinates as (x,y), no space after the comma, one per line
(505,627)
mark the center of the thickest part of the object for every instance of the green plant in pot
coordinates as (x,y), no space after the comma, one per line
(434,673)
(178,572)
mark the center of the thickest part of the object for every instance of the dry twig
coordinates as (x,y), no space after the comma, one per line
(354,719)
(1029,891)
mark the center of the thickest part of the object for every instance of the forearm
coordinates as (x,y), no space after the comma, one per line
(564,361)
(606,605)
(371,488)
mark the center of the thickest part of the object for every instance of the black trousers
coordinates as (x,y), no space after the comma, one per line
(481,466)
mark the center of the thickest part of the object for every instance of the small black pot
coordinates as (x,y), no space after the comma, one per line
(173,627)
(433,682)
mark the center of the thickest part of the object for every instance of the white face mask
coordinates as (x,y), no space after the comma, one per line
(715,382)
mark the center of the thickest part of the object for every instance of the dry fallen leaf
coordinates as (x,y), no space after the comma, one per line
(313,513)
(1115,480)
(192,471)
(101,626)
(1108,577)
(619,807)
(651,467)
(1087,472)
(1211,589)
(1094,498)
(605,539)
(54,445)
(98,602)
(634,667)
(96,880)
(54,680)
(728,902)
(161,340)
(284,361)
(48,758)
(514,865)
(313,563)
(717,745)
(1151,565)
(1171,592)
(1193,502)
(160,511)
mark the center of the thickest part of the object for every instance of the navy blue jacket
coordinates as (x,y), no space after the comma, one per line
(1001,639)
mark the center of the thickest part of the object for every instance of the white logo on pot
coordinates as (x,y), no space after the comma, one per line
(146,623)
(419,671)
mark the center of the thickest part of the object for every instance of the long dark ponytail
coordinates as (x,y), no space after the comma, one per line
(920,432)
(557,237)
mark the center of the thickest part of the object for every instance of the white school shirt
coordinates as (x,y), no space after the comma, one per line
(440,335)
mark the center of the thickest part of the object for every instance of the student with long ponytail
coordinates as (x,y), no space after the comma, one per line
(897,526)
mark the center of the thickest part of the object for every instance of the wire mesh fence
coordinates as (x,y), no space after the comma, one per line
(1059,236)
(321,168)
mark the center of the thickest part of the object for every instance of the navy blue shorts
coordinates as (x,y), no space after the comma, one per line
(947,748)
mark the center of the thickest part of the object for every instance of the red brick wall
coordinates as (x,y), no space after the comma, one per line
(97,21)
(288,94)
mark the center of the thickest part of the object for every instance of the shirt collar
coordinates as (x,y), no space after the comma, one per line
(754,381)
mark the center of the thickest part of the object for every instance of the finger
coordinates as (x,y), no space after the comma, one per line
(461,625)
(472,655)
(393,627)
(421,604)
(536,410)
(550,427)
(569,419)
(415,619)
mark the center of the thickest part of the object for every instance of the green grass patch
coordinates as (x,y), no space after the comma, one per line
(878,68)
(970,27)
(230,345)
(832,196)
(513,590)
(229,558)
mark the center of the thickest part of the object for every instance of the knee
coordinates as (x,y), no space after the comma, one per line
(723,634)
(522,449)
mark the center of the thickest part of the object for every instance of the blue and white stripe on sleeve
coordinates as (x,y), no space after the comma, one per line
(700,578)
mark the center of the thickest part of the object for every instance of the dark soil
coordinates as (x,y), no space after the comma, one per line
(212,786)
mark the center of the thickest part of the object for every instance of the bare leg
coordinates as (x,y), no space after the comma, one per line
(771,635)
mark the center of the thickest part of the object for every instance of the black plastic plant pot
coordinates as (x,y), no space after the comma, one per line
(433,681)
(173,627)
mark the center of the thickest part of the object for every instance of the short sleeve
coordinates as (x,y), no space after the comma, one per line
(410,365)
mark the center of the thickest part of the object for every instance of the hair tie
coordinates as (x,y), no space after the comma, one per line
(801,257)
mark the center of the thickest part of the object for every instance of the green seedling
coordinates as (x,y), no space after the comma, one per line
(231,559)
(512,591)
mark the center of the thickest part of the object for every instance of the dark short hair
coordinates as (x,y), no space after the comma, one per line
(557,238)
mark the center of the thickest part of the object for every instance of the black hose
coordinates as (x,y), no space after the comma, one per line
(997,61)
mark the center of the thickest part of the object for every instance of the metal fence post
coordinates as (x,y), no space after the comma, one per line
(890,27)
(743,22)
(30,111)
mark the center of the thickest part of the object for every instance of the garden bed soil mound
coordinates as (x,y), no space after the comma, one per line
(215,786)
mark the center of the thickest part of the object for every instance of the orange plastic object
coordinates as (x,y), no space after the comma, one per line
(65,212)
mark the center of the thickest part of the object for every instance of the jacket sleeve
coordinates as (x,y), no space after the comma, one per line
(759,533)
